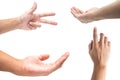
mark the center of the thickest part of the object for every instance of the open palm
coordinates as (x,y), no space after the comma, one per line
(34,65)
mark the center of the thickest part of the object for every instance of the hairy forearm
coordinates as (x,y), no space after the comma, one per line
(8,24)
(99,73)
(9,63)
(108,12)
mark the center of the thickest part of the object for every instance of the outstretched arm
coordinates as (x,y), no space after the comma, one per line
(99,52)
(110,11)
(30,66)
(27,21)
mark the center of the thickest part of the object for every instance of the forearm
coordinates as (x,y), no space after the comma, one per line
(8,24)
(108,12)
(9,63)
(99,73)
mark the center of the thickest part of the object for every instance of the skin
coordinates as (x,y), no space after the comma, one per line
(32,65)
(110,11)
(99,52)
(27,21)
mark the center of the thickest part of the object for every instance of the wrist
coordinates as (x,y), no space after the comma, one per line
(20,70)
(99,72)
(96,16)
(19,21)
(16,67)
(100,66)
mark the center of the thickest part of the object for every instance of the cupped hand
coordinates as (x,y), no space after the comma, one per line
(84,16)
(34,65)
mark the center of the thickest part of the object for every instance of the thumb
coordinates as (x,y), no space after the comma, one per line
(33,8)
(43,57)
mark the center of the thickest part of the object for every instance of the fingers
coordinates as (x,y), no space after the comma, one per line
(34,7)
(35,24)
(106,42)
(76,12)
(48,22)
(102,39)
(46,14)
(43,57)
(60,61)
(95,37)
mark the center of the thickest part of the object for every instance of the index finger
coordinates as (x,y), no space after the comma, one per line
(95,37)
(46,14)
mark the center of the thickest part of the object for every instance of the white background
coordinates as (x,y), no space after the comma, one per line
(69,35)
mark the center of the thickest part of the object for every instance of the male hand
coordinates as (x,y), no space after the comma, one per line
(34,65)
(29,20)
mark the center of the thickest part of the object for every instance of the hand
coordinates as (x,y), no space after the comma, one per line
(33,66)
(84,17)
(99,51)
(29,20)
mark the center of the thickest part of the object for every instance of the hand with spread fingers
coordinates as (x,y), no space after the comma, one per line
(29,20)
(99,52)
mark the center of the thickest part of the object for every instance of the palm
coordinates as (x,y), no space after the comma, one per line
(34,65)
(82,16)
(27,19)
